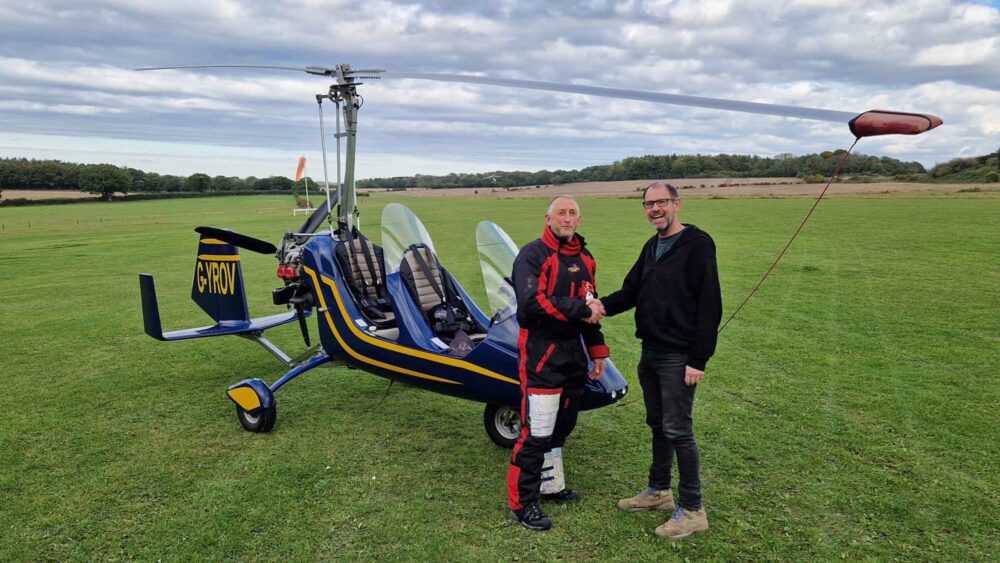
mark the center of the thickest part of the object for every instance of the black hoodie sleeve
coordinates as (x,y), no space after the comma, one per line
(709,311)
(593,338)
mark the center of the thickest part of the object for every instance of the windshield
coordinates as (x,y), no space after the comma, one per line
(496,259)
(400,229)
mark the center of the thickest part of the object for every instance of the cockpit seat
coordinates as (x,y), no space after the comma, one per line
(431,288)
(363,267)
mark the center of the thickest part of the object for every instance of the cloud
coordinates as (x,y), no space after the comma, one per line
(979,51)
(66,74)
(72,109)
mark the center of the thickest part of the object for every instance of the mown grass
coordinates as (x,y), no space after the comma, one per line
(851,410)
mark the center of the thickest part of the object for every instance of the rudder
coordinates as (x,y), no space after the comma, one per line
(218,281)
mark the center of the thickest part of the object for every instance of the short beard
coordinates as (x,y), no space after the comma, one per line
(665,227)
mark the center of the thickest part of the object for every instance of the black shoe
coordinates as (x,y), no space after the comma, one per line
(532,517)
(565,495)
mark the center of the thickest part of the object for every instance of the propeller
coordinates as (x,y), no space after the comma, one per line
(862,124)
(236,239)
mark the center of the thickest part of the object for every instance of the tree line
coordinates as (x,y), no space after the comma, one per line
(106,179)
(976,169)
(666,167)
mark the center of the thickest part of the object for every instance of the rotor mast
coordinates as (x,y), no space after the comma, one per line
(344,92)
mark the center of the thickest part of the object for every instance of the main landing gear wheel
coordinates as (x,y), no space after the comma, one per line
(262,421)
(503,424)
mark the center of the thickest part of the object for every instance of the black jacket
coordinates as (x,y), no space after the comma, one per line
(677,299)
(552,279)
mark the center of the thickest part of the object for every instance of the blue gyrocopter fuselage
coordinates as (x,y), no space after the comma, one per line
(393,311)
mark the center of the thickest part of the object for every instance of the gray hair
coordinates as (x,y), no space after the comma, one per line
(552,202)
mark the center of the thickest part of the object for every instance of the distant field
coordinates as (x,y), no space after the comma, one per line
(851,411)
(693,188)
(726,187)
(46,194)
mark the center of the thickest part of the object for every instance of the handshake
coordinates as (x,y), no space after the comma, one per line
(596,311)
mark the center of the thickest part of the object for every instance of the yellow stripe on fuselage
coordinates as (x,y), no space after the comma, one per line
(349,350)
(219,257)
(462,364)
(212,241)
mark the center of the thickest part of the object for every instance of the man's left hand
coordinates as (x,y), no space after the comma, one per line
(692,376)
(598,369)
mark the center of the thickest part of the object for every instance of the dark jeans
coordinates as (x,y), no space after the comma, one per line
(668,414)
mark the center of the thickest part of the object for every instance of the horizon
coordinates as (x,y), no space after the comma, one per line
(318,180)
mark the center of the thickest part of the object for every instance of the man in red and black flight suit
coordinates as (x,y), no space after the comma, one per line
(554,280)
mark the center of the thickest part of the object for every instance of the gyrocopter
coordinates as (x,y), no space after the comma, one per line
(395,311)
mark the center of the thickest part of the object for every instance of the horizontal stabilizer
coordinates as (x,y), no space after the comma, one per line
(151,319)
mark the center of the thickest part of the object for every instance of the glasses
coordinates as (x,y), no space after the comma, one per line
(648,204)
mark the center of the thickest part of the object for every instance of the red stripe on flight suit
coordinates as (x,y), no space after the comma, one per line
(513,497)
(546,286)
(545,358)
(522,372)
(536,391)
(599,351)
(513,471)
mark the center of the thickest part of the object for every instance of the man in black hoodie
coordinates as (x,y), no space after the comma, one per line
(674,288)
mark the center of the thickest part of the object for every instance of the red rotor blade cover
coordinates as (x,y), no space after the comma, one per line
(881,122)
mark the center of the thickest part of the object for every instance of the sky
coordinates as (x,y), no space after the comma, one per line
(68,90)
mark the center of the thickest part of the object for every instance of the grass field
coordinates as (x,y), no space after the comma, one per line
(851,410)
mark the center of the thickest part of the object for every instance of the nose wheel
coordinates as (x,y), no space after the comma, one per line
(503,424)
(260,421)
(255,406)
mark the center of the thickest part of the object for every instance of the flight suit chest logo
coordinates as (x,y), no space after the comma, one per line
(575,276)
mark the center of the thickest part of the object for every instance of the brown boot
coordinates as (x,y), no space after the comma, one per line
(683,523)
(649,499)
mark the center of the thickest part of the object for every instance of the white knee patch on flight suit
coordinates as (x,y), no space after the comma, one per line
(542,411)
(553,479)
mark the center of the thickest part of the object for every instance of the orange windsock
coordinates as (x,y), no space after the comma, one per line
(882,122)
(301,169)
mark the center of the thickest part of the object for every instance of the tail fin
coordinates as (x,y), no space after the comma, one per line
(218,281)
(217,289)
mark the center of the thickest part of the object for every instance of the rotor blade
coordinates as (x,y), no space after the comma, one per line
(309,69)
(862,124)
(656,97)
(236,239)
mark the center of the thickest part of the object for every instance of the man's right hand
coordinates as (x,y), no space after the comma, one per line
(596,311)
